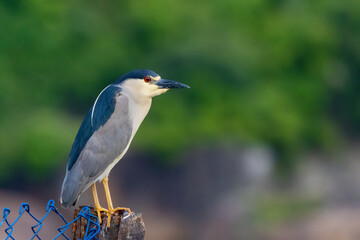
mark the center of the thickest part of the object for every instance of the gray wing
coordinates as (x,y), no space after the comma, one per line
(111,134)
(97,116)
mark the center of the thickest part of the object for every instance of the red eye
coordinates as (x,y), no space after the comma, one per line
(147,79)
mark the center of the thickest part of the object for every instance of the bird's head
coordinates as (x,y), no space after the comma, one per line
(146,83)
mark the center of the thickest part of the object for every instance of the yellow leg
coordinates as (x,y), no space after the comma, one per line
(105,182)
(98,208)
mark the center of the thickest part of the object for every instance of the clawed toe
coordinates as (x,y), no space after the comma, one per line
(122,209)
(99,210)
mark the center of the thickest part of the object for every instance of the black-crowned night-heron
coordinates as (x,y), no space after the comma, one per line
(106,133)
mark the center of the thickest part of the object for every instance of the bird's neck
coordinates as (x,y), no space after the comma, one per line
(139,107)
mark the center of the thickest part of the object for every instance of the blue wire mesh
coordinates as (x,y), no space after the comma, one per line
(92,228)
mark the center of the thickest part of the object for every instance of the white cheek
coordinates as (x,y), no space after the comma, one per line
(161,91)
(157,91)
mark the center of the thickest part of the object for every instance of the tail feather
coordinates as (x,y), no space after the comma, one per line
(71,189)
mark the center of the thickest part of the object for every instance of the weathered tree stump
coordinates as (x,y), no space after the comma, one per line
(122,227)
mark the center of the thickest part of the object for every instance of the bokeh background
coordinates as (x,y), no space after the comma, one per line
(265,144)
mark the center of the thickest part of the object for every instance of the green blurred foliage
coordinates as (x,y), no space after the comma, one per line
(281,72)
(274,210)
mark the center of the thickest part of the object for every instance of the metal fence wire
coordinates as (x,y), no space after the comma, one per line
(92,229)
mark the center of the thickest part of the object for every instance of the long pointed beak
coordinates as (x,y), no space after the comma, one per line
(164,83)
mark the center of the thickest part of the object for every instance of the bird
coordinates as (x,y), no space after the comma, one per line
(106,133)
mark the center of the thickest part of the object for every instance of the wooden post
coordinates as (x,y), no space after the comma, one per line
(121,227)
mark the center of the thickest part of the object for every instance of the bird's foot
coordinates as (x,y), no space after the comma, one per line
(99,210)
(113,210)
(122,209)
